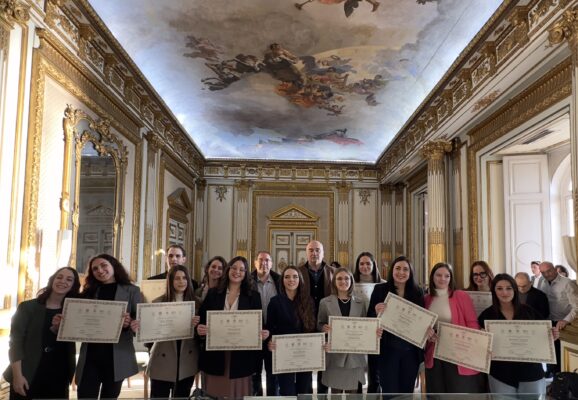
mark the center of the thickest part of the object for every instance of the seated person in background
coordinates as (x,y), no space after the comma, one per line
(531,296)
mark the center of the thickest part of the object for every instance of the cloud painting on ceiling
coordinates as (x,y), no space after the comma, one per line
(319,80)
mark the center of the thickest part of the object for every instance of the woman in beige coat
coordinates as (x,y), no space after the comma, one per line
(172,365)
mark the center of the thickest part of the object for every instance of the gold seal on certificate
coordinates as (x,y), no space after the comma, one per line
(407,320)
(234,330)
(481,300)
(91,321)
(302,352)
(470,348)
(363,291)
(354,335)
(152,288)
(522,341)
(165,321)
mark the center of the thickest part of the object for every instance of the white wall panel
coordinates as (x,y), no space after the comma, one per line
(220,223)
(364,225)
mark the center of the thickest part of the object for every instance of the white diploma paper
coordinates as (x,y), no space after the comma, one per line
(165,321)
(152,288)
(522,341)
(299,353)
(407,320)
(481,300)
(91,321)
(363,291)
(354,335)
(470,348)
(234,330)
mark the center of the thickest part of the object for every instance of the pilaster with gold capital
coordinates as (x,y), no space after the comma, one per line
(435,152)
(565,29)
(399,209)
(242,188)
(387,224)
(456,201)
(343,218)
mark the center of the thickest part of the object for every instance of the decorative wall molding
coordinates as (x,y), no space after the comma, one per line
(221,192)
(364,195)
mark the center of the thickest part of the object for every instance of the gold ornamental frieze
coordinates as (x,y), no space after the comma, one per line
(14,11)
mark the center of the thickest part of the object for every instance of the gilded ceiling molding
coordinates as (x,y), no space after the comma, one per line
(508,31)
(566,30)
(14,11)
(553,87)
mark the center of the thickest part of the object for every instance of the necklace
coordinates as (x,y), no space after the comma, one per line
(345,301)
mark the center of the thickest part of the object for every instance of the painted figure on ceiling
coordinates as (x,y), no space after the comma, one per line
(349,6)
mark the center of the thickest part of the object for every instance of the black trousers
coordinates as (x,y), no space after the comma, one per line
(95,380)
(444,377)
(179,389)
(398,370)
(271,380)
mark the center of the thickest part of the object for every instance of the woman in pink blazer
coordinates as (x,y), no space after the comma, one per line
(456,307)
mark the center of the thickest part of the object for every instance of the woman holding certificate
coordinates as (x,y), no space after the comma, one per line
(399,360)
(102,367)
(213,272)
(455,307)
(228,373)
(291,312)
(343,371)
(481,276)
(509,376)
(173,364)
(41,367)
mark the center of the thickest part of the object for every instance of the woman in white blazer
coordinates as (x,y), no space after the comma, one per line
(173,364)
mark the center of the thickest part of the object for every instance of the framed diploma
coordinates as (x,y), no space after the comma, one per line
(407,320)
(299,353)
(363,291)
(481,300)
(152,288)
(470,348)
(354,335)
(165,321)
(522,341)
(91,321)
(234,330)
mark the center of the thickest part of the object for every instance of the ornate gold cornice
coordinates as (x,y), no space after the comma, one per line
(553,87)
(14,11)
(566,29)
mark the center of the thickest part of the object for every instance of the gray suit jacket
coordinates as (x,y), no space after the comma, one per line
(329,306)
(123,353)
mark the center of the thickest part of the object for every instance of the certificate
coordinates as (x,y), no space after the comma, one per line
(299,353)
(522,341)
(470,348)
(481,300)
(407,320)
(91,321)
(354,335)
(152,288)
(165,321)
(363,291)
(234,330)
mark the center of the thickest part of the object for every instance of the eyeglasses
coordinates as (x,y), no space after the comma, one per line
(482,275)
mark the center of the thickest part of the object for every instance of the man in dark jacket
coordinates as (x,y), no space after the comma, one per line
(267,284)
(531,296)
(175,255)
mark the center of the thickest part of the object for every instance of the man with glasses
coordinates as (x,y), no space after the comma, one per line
(267,283)
(563,300)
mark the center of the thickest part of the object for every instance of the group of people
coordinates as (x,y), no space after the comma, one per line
(296,300)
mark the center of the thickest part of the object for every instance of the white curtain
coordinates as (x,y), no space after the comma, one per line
(569,243)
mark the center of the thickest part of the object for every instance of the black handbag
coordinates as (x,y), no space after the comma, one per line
(563,386)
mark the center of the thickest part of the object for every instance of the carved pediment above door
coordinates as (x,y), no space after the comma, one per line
(179,201)
(293,214)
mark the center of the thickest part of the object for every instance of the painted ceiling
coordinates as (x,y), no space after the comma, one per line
(327,80)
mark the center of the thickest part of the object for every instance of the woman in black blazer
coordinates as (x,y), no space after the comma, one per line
(398,360)
(228,373)
(291,312)
(41,367)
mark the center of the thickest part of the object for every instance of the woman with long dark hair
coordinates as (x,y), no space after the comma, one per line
(398,360)
(228,373)
(366,270)
(41,367)
(291,312)
(456,307)
(102,367)
(510,377)
(212,275)
(481,276)
(173,364)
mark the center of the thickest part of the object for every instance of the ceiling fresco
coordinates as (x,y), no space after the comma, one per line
(327,80)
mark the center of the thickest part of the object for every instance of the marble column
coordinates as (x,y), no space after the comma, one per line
(435,152)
